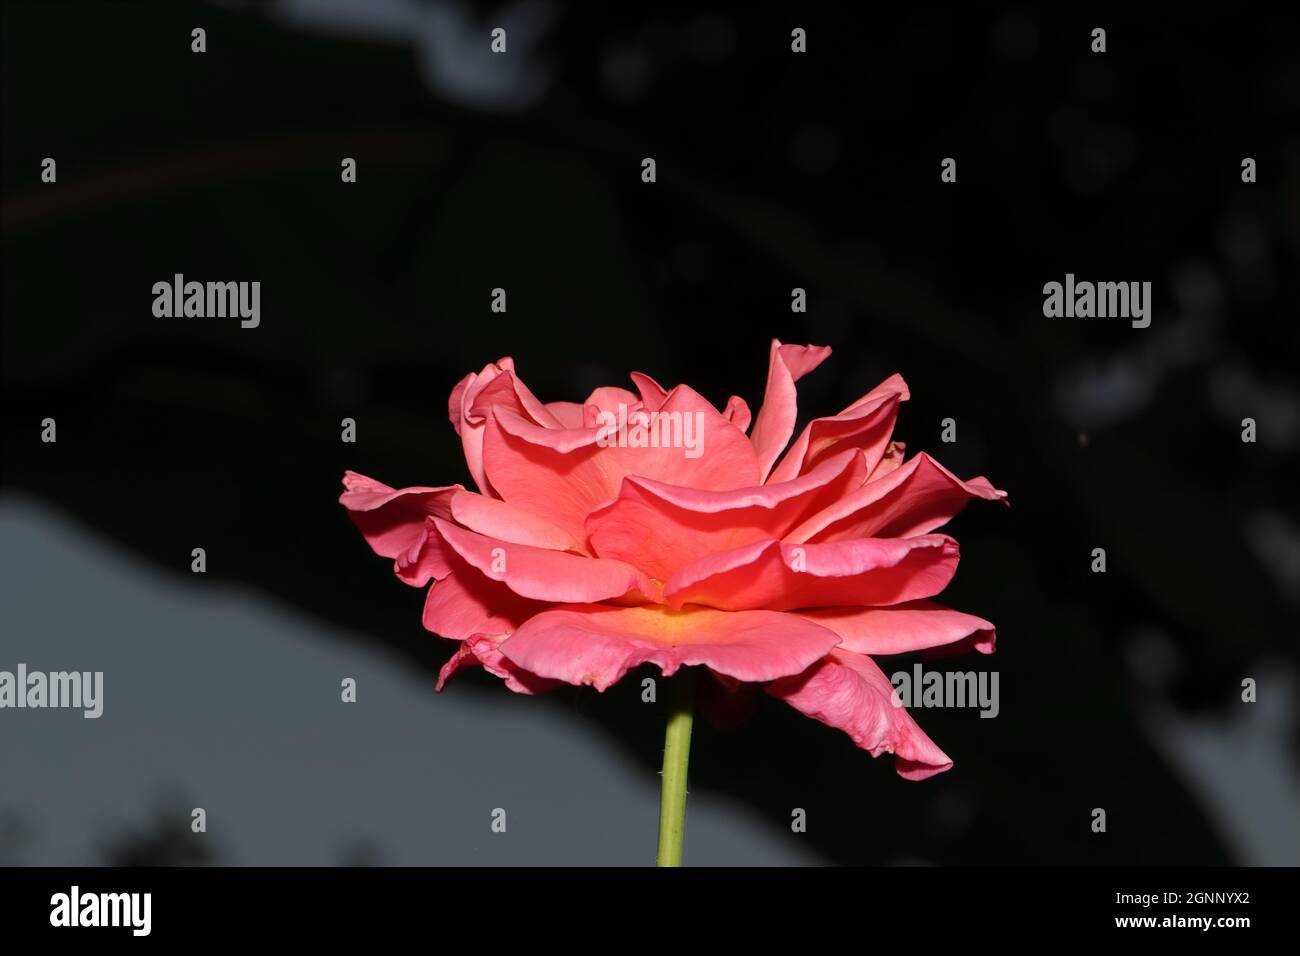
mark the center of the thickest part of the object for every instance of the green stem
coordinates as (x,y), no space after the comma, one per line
(677,755)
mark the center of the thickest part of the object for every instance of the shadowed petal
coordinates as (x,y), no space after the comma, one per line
(427,559)
(466,603)
(392,520)
(849,692)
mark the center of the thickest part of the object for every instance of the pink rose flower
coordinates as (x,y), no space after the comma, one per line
(650,527)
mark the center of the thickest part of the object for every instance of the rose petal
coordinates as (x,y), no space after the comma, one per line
(866,424)
(568,414)
(591,644)
(653,395)
(546,575)
(506,390)
(774,425)
(392,520)
(892,459)
(500,519)
(915,499)
(849,692)
(661,528)
(562,475)
(482,651)
(914,626)
(862,572)
(608,398)
(472,400)
(466,603)
(427,559)
(737,412)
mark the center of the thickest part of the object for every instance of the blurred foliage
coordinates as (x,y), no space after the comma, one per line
(166,838)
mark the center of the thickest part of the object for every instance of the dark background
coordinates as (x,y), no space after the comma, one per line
(1118,690)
